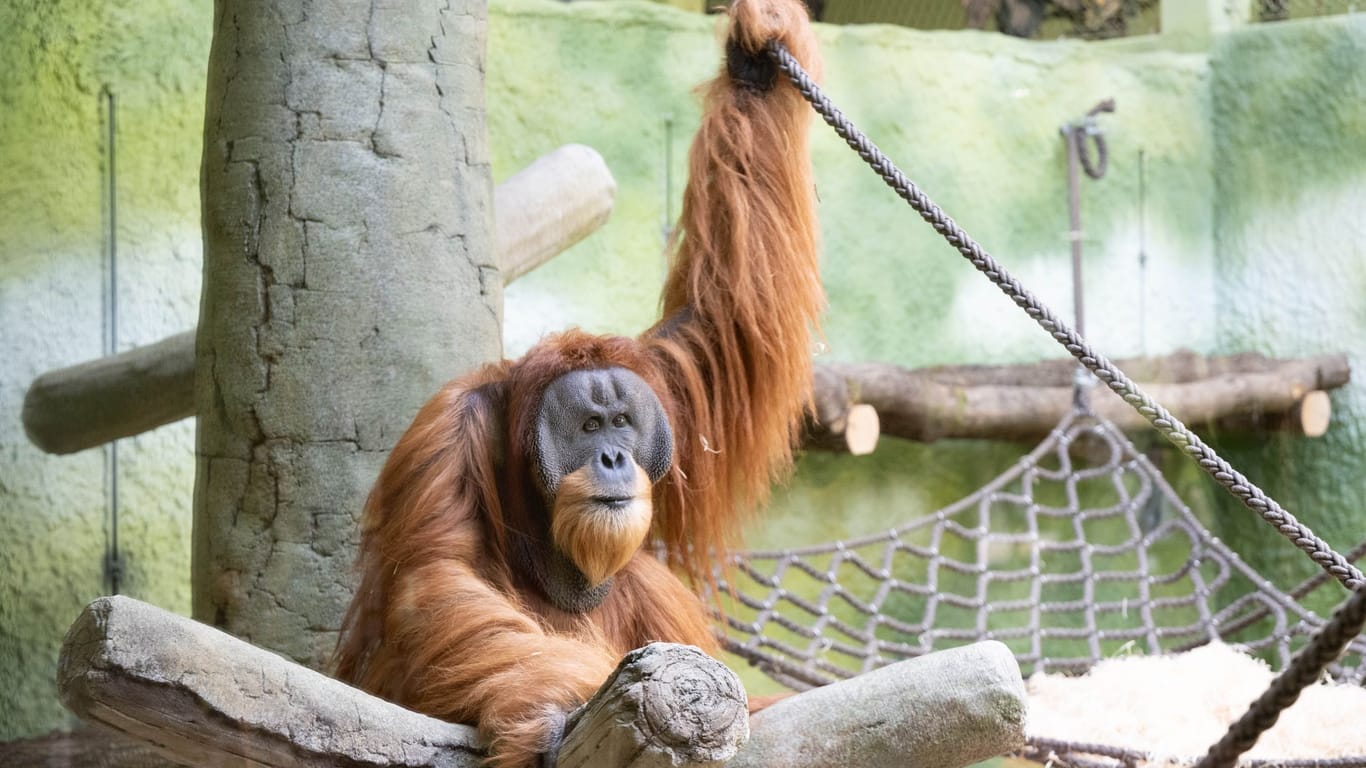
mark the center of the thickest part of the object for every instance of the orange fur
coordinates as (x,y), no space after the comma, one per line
(744,272)
(445,620)
(599,541)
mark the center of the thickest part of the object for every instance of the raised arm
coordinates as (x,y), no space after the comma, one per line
(743,292)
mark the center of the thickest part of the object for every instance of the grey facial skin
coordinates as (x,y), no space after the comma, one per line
(609,421)
(602,419)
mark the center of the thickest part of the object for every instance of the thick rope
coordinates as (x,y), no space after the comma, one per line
(1304,671)
(1176,432)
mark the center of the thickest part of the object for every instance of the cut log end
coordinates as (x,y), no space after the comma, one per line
(666,704)
(1313,413)
(862,429)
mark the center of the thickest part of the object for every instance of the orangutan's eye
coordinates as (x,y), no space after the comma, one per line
(620,420)
(592,425)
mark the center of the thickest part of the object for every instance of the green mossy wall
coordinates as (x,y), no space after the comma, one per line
(55,58)
(1252,228)
(1289,112)
(973,117)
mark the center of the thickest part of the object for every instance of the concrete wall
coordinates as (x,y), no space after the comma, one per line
(1255,160)
(1289,114)
(55,57)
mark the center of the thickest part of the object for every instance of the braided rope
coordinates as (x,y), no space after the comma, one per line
(1304,671)
(1171,428)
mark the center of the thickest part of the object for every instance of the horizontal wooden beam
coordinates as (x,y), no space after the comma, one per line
(549,206)
(202,697)
(949,709)
(71,409)
(1236,393)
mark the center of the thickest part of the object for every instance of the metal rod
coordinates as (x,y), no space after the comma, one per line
(1069,133)
(114,566)
(1143,252)
(1073,135)
(667,227)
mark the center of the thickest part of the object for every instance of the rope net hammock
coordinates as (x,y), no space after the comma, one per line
(1079,552)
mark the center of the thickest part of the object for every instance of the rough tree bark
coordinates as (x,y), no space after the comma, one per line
(348,272)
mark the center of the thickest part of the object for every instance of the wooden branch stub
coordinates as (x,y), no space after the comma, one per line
(862,428)
(666,705)
(946,709)
(205,698)
(89,404)
(541,211)
(840,423)
(555,202)
(1234,393)
(1313,413)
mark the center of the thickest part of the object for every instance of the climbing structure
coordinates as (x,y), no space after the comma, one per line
(1079,552)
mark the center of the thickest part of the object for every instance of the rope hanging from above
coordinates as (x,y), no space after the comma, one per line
(1233,481)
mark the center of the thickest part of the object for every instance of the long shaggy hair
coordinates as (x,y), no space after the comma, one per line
(745,280)
(447,619)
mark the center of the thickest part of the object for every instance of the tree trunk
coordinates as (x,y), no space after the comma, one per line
(946,709)
(348,273)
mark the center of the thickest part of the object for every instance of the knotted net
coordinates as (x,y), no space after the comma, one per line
(1079,552)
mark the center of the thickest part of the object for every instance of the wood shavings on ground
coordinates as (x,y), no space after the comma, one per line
(1174,707)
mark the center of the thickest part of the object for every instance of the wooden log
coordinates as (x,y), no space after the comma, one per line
(86,746)
(666,705)
(555,202)
(1181,366)
(202,697)
(91,403)
(945,709)
(540,212)
(1235,393)
(205,698)
(838,423)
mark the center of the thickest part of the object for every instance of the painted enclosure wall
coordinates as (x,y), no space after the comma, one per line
(1289,111)
(55,57)
(1252,224)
